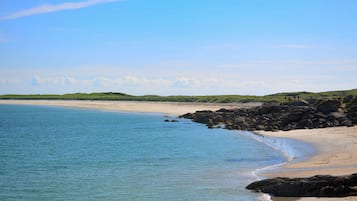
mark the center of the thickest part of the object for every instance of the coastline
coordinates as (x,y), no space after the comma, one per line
(292,150)
(334,146)
(335,155)
(166,108)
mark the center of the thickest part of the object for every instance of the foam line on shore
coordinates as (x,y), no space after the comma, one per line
(293,150)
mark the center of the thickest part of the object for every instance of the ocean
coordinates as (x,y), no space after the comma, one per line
(54,153)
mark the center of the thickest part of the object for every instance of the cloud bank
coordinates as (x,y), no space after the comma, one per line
(48,8)
(244,79)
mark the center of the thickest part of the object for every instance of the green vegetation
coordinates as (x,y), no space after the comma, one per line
(307,95)
(279,97)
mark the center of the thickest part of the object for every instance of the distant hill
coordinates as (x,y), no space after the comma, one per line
(279,97)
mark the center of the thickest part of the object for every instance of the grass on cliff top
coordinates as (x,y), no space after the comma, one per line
(279,97)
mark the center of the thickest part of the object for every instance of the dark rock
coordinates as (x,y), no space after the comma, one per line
(268,108)
(292,116)
(328,106)
(260,127)
(272,116)
(172,120)
(351,108)
(313,101)
(224,110)
(316,186)
(187,116)
(347,99)
(305,123)
(338,114)
(299,103)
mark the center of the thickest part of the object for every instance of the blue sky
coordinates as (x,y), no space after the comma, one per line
(183,47)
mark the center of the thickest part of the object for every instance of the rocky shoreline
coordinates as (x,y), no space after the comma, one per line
(316,186)
(300,114)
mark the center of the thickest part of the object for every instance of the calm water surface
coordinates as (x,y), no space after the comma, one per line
(51,153)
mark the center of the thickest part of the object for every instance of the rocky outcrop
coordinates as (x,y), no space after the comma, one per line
(316,186)
(351,108)
(329,106)
(287,116)
(302,114)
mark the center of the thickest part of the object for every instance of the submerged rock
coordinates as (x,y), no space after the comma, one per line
(172,120)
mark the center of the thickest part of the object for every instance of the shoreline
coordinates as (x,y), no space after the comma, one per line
(289,148)
(335,151)
(292,150)
(166,108)
(335,155)
(324,124)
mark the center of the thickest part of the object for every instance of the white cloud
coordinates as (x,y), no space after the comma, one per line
(101,82)
(48,8)
(36,81)
(45,83)
(249,78)
(59,81)
(183,82)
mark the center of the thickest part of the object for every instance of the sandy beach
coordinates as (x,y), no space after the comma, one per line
(336,151)
(166,108)
(336,155)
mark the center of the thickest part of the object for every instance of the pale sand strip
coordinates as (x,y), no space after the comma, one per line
(336,155)
(167,108)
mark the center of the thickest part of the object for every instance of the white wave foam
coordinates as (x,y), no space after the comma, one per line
(292,150)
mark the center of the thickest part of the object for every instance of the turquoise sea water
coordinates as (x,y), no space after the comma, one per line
(52,153)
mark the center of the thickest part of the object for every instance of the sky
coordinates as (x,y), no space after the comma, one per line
(177,47)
